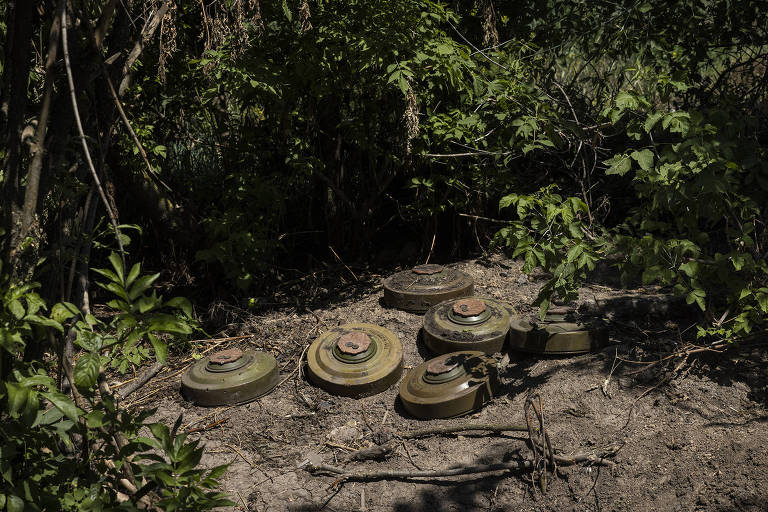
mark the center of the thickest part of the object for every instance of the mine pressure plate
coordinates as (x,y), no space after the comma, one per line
(230,377)
(449,385)
(424,286)
(355,360)
(468,323)
(562,332)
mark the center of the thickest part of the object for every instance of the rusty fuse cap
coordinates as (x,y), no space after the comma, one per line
(230,377)
(562,332)
(467,324)
(423,286)
(355,360)
(449,385)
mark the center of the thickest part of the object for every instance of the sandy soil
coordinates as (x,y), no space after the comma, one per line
(694,431)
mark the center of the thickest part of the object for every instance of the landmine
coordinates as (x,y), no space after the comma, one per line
(424,286)
(562,332)
(449,385)
(471,323)
(355,360)
(230,377)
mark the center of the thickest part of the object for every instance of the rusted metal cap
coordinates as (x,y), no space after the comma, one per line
(427,270)
(468,307)
(481,324)
(450,385)
(441,365)
(355,360)
(558,334)
(226,356)
(354,342)
(230,377)
(424,286)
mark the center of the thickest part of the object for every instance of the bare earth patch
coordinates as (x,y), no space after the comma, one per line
(694,431)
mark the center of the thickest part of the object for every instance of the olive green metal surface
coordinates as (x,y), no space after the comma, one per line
(445,330)
(424,286)
(359,369)
(463,382)
(238,380)
(556,334)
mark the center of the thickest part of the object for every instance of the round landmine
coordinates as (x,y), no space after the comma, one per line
(467,324)
(230,377)
(355,360)
(424,286)
(561,332)
(449,385)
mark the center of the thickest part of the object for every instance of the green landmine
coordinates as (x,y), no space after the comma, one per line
(355,360)
(424,286)
(471,323)
(562,332)
(449,385)
(230,377)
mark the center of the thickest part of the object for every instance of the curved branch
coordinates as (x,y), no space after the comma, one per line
(79,125)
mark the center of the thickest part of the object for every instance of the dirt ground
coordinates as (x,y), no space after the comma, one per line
(694,431)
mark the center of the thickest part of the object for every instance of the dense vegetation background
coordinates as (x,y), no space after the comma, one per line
(234,145)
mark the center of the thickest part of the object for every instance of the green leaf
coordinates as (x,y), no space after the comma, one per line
(181,303)
(644,157)
(141,285)
(14,503)
(63,403)
(87,371)
(168,323)
(619,164)
(160,346)
(133,274)
(117,264)
(95,419)
(626,100)
(63,311)
(16,309)
(287,11)
(46,322)
(651,121)
(161,433)
(17,397)
(690,268)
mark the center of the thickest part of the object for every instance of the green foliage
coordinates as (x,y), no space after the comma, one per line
(56,455)
(552,233)
(182,485)
(685,173)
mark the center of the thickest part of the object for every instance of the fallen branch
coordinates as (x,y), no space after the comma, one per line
(382,450)
(600,459)
(140,381)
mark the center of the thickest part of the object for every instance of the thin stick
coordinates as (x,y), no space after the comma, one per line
(596,459)
(478,217)
(79,125)
(152,174)
(491,427)
(233,448)
(340,261)
(207,427)
(140,381)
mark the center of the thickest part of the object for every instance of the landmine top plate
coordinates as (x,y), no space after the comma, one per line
(424,286)
(557,334)
(230,377)
(467,324)
(449,385)
(355,360)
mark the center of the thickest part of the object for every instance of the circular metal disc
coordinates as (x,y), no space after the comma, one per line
(555,335)
(424,286)
(230,377)
(449,385)
(467,324)
(355,360)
